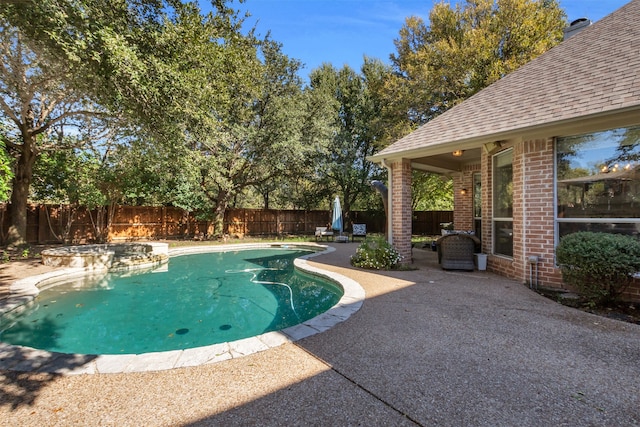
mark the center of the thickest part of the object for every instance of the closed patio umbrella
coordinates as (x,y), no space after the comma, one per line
(336,223)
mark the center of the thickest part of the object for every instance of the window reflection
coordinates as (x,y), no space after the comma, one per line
(598,177)
(503,238)
(503,203)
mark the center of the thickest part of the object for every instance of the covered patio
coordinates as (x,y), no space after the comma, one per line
(501,147)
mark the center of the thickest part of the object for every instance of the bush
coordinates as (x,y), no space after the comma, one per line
(376,253)
(599,265)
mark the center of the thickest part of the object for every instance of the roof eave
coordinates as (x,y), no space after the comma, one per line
(621,117)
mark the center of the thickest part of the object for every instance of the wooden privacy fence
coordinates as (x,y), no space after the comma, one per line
(50,223)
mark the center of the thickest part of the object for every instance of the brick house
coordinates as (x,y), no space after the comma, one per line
(549,149)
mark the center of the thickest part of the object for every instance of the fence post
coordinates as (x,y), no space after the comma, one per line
(163,213)
(306,222)
(43,225)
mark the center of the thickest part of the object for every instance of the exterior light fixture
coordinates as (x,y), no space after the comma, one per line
(457,153)
(463,191)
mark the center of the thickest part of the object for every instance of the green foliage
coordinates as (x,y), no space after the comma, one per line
(352,107)
(431,192)
(219,111)
(158,62)
(42,101)
(599,265)
(77,177)
(376,253)
(6,174)
(219,116)
(465,48)
(258,142)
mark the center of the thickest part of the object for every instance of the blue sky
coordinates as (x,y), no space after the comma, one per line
(343,31)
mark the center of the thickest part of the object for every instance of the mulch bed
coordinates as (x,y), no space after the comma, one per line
(624,311)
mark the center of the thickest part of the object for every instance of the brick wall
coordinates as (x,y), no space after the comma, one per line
(463,211)
(532,212)
(538,211)
(533,216)
(401,207)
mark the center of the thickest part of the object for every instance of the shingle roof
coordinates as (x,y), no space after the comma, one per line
(593,72)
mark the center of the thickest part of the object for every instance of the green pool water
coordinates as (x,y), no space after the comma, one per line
(201,299)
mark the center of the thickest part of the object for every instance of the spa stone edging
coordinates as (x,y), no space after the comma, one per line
(107,256)
(18,358)
(77,262)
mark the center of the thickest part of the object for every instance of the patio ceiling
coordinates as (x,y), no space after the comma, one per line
(446,163)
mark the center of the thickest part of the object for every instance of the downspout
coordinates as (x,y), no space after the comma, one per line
(389,204)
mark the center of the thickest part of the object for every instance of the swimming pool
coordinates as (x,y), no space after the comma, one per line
(199,300)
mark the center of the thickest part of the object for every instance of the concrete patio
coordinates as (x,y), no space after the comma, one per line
(428,347)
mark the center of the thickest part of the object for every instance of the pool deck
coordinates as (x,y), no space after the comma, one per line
(427,347)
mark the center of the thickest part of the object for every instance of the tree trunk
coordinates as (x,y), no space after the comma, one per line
(103,221)
(346,210)
(66,216)
(218,221)
(17,234)
(218,214)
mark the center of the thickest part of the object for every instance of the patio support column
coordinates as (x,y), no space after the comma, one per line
(401,207)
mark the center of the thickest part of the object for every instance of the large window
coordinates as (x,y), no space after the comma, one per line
(598,182)
(503,203)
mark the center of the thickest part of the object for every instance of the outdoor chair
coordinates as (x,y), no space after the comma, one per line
(455,251)
(358,230)
(323,232)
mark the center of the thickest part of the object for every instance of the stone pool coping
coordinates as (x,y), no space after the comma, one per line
(20,358)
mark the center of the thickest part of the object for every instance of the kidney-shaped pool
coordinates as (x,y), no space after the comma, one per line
(199,300)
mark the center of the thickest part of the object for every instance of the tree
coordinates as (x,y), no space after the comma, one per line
(56,181)
(96,176)
(356,133)
(146,59)
(431,192)
(251,100)
(308,188)
(188,81)
(36,105)
(278,112)
(464,49)
(73,179)
(260,131)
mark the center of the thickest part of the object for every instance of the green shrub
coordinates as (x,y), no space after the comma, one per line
(376,253)
(599,265)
